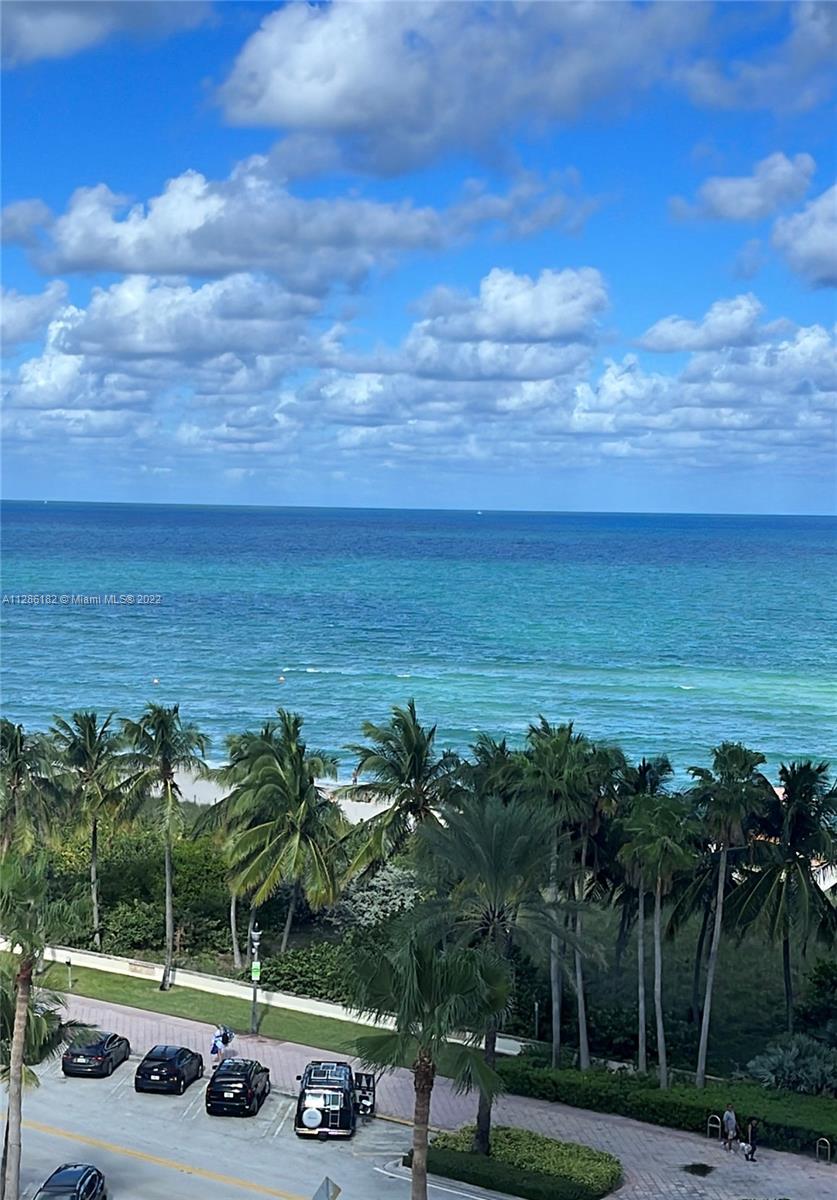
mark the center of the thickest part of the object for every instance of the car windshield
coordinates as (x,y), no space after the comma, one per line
(233,1066)
(160,1053)
(91,1048)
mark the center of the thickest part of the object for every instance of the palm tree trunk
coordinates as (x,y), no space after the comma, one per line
(658,984)
(703,1047)
(642,1059)
(555,979)
(786,969)
(236,949)
(583,1040)
(23,985)
(694,1007)
(424,1073)
(286,932)
(94,882)
(166,981)
(4,1159)
(482,1134)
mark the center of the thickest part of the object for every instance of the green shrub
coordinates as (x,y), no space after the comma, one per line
(524,1150)
(797,1064)
(132,925)
(318,971)
(525,1164)
(788,1122)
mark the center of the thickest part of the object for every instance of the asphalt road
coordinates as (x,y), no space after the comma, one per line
(154,1147)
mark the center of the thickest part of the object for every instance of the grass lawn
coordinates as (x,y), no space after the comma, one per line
(323,1033)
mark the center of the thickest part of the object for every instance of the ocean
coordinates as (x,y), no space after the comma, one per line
(664,633)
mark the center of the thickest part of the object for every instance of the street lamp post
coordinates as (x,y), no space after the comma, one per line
(255,976)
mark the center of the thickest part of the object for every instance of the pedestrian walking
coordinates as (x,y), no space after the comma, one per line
(221,1039)
(729,1122)
(752,1139)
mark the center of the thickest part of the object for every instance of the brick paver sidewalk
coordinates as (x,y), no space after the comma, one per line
(653,1158)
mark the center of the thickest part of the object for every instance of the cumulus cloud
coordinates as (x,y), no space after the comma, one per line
(251,221)
(557,306)
(808,240)
(24,318)
(21,220)
(796,75)
(37,29)
(398,84)
(148,318)
(776,181)
(727,323)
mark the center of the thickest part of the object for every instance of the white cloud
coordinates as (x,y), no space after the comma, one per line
(776,181)
(24,318)
(808,240)
(557,306)
(251,221)
(21,220)
(727,323)
(796,75)
(149,318)
(399,83)
(36,29)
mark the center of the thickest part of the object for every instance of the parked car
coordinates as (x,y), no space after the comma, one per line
(168,1069)
(331,1097)
(101,1057)
(74,1181)
(238,1087)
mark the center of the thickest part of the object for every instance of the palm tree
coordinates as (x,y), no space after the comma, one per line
(490,862)
(28,794)
(161,746)
(557,778)
(408,774)
(46,1035)
(432,994)
(283,827)
(658,826)
(93,771)
(29,920)
(795,845)
(647,778)
(726,798)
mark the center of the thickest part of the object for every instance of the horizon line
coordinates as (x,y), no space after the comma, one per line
(558,512)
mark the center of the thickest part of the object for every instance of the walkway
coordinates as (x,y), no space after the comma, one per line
(652,1157)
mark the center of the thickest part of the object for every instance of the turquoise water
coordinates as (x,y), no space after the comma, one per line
(664,633)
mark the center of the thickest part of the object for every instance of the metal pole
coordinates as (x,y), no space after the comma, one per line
(255,972)
(537,1022)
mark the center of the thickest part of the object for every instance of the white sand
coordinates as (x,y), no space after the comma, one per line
(205,791)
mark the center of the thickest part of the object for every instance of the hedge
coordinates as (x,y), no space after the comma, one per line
(525,1164)
(788,1121)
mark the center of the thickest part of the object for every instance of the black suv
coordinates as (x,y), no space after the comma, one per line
(238,1087)
(96,1058)
(331,1098)
(168,1069)
(74,1181)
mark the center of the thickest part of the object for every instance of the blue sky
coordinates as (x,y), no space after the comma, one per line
(552,256)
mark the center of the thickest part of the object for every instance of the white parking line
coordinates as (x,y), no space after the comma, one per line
(283,1119)
(435,1187)
(194,1104)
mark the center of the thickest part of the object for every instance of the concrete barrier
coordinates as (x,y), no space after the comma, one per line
(217,985)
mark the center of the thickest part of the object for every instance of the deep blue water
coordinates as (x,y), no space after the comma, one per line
(665,633)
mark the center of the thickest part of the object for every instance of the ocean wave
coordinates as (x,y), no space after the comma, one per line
(685,687)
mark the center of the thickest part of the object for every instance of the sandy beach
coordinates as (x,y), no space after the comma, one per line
(205,791)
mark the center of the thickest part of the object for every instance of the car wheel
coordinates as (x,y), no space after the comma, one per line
(109,1068)
(127,1051)
(200,1069)
(181,1086)
(267,1090)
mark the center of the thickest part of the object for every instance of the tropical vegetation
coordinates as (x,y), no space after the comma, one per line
(487,893)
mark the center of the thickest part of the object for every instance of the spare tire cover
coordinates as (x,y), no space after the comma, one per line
(312,1118)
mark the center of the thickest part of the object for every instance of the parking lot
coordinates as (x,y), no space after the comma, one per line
(158,1147)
